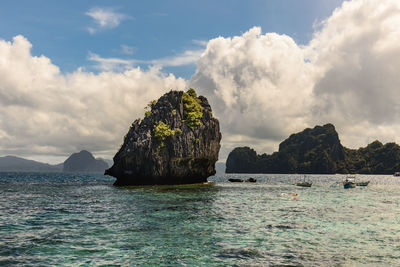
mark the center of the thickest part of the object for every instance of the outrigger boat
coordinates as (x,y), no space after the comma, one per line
(362,183)
(304,183)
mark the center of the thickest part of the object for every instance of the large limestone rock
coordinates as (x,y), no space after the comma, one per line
(177,142)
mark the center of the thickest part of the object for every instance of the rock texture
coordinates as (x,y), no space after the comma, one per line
(317,151)
(84,162)
(177,142)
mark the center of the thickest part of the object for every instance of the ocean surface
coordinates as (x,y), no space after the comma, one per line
(55,219)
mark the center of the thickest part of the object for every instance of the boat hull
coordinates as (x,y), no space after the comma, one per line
(303,184)
(348,185)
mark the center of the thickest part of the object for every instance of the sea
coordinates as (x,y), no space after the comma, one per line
(58,219)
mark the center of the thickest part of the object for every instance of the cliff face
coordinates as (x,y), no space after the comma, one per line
(84,162)
(318,151)
(177,142)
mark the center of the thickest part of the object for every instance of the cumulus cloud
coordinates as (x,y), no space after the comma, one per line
(262,87)
(357,58)
(260,84)
(111,63)
(104,18)
(45,112)
(265,86)
(187,57)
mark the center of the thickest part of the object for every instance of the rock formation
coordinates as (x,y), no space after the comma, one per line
(317,151)
(177,142)
(84,162)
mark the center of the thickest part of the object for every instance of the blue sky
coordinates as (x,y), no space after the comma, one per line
(150,30)
(75,74)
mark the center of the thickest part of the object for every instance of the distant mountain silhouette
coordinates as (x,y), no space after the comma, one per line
(84,162)
(16,164)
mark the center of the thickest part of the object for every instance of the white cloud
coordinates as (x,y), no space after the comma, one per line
(43,112)
(200,42)
(112,64)
(264,86)
(187,57)
(357,58)
(259,85)
(104,18)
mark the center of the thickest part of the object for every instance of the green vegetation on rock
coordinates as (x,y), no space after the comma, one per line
(152,103)
(162,131)
(178,131)
(192,109)
(149,107)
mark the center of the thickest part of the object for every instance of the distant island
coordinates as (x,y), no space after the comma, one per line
(17,164)
(77,162)
(317,151)
(84,162)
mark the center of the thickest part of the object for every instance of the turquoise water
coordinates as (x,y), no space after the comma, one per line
(81,219)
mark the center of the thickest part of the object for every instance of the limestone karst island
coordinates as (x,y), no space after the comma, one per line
(177,142)
(317,151)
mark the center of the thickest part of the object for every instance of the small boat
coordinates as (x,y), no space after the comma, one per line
(304,183)
(349,182)
(251,180)
(362,183)
(235,180)
(396,174)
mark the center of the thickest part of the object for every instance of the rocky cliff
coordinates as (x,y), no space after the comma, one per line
(177,142)
(84,162)
(318,151)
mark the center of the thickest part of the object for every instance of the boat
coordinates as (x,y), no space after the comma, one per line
(362,183)
(304,183)
(396,174)
(349,182)
(236,180)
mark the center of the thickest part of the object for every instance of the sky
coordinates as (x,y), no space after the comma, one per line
(75,74)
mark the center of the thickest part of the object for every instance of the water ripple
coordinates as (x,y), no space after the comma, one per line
(72,219)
